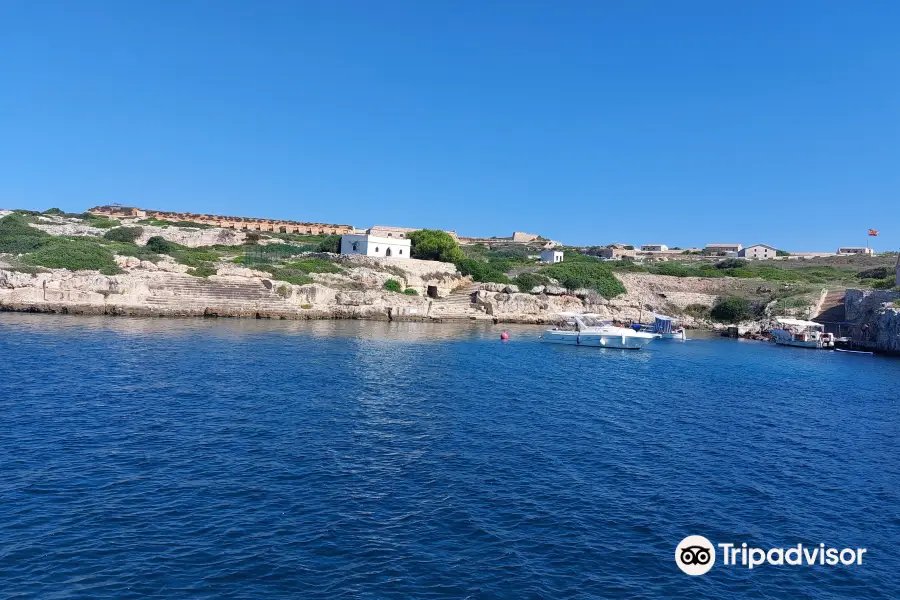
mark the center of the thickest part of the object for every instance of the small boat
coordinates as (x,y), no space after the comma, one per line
(602,335)
(662,327)
(802,334)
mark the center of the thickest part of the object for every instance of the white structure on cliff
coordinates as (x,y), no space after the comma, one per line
(855,250)
(759,252)
(373,245)
(552,256)
(654,248)
(722,248)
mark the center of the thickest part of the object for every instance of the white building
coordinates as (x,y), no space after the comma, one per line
(552,256)
(723,248)
(759,252)
(373,245)
(856,250)
(654,248)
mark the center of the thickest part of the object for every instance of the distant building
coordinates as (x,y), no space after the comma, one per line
(373,245)
(855,250)
(398,232)
(759,252)
(722,248)
(552,256)
(798,255)
(654,248)
(238,223)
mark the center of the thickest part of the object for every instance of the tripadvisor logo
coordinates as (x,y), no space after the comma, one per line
(696,555)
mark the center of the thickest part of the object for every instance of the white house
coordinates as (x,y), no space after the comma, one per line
(759,252)
(552,256)
(654,248)
(855,250)
(373,245)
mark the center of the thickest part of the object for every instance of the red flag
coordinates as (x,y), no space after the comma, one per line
(873,232)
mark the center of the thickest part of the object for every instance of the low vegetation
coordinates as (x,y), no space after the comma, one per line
(75,254)
(204,270)
(392,285)
(18,237)
(590,274)
(123,234)
(527,281)
(410,292)
(732,309)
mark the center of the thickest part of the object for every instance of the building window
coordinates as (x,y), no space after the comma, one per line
(401,251)
(356,246)
(376,249)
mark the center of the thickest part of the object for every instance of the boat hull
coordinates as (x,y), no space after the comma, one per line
(597,340)
(786,338)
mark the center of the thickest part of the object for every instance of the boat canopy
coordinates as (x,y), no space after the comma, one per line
(799,323)
(662,323)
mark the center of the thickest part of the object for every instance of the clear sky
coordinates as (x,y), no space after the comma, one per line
(589,122)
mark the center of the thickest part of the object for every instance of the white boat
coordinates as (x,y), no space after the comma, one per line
(803,334)
(604,335)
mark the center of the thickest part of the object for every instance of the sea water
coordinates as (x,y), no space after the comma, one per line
(144,458)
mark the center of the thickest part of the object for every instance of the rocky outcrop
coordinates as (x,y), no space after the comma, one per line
(876,319)
(191,237)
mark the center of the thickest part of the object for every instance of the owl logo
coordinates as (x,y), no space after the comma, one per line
(695,555)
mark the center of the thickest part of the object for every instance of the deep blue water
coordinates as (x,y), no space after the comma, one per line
(245,459)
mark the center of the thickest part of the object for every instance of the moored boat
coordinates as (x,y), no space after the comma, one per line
(603,335)
(802,334)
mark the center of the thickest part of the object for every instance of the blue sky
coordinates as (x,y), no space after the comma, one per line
(589,122)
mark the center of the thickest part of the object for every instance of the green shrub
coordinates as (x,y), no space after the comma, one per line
(884,284)
(331,243)
(18,237)
(410,292)
(481,271)
(433,244)
(392,285)
(527,281)
(875,273)
(130,249)
(732,309)
(314,265)
(698,311)
(75,255)
(291,276)
(54,211)
(123,234)
(159,244)
(731,263)
(593,275)
(284,291)
(203,270)
(252,238)
(99,221)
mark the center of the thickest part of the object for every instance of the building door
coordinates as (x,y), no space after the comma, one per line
(388,251)
(432,291)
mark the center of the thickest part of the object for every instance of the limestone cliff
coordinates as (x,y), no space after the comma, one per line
(876,319)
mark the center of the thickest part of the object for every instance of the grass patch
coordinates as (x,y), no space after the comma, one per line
(482,271)
(18,237)
(314,265)
(98,221)
(130,249)
(204,270)
(392,285)
(410,292)
(592,275)
(75,255)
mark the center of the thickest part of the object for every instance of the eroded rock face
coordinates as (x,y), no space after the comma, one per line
(876,318)
(189,237)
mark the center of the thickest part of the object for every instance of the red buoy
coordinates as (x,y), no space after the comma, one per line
(504,336)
